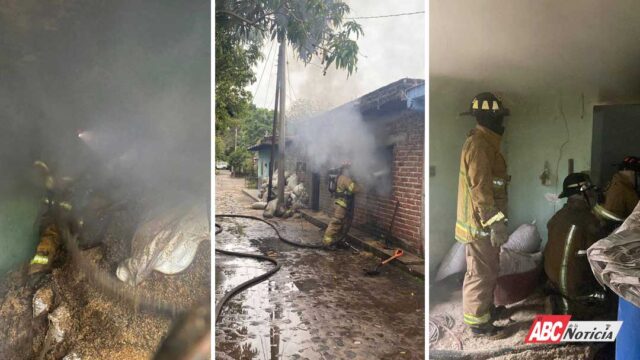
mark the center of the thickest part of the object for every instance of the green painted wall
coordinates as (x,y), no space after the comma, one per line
(535,133)
(264,156)
(18,235)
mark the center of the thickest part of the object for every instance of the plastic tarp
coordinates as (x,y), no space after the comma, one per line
(167,242)
(615,260)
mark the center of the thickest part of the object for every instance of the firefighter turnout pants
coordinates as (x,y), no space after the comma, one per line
(483,266)
(335,225)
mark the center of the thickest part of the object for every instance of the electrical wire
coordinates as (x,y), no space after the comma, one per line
(266,96)
(293,95)
(385,16)
(263,68)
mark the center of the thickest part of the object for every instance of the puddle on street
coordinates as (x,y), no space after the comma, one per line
(319,305)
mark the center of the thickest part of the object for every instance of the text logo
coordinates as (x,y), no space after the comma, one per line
(551,329)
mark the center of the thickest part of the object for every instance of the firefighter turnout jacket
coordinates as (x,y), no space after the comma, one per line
(345,189)
(621,197)
(482,185)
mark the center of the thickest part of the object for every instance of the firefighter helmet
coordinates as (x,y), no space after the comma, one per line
(486,102)
(630,163)
(575,183)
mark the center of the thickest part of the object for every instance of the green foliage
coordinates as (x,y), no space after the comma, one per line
(234,58)
(314,28)
(240,160)
(221,147)
(258,123)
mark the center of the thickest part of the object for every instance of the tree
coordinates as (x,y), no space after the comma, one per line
(312,27)
(235,56)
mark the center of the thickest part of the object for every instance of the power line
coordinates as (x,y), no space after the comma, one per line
(266,97)
(293,95)
(384,16)
(263,68)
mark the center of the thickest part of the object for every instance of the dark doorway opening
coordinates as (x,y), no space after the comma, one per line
(315,191)
(616,134)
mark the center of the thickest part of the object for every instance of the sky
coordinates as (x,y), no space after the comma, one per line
(392,48)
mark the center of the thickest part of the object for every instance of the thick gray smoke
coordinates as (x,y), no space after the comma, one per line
(342,134)
(131,77)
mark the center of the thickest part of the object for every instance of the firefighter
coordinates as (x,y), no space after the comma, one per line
(482,213)
(621,196)
(572,230)
(345,190)
(56,209)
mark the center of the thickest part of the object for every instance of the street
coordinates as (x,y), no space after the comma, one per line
(320,305)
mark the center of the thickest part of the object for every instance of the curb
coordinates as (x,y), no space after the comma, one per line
(253,194)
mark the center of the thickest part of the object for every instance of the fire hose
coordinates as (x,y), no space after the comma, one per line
(260,278)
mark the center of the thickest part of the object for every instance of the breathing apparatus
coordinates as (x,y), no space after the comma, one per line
(334,173)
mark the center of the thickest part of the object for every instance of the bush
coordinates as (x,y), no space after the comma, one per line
(240,161)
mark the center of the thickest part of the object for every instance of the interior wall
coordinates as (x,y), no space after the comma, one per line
(535,134)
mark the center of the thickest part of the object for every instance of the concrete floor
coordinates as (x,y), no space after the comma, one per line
(319,305)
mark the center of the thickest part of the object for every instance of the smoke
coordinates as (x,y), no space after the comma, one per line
(525,45)
(130,77)
(343,135)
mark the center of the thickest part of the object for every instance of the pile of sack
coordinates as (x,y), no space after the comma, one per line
(520,264)
(295,194)
(167,242)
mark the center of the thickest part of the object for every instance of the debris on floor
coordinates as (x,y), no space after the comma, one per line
(42,301)
(451,338)
(88,323)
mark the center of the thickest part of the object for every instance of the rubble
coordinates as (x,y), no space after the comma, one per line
(42,301)
(72,356)
(260,205)
(60,323)
(295,194)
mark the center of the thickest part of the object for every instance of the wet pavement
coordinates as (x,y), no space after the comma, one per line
(320,305)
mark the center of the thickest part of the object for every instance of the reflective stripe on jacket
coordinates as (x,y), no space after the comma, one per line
(345,189)
(482,185)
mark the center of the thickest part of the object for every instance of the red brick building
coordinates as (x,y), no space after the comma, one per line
(395,113)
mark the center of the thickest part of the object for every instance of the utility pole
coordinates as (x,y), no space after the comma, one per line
(273,138)
(282,134)
(235,140)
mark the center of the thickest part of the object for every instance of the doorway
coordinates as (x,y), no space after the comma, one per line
(315,191)
(616,134)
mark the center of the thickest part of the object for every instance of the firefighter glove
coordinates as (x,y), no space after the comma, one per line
(499,234)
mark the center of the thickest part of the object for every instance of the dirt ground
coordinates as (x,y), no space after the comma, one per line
(319,305)
(99,326)
(446,299)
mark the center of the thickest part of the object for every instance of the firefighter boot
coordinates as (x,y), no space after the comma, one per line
(489,331)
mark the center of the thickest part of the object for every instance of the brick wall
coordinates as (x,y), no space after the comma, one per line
(373,212)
